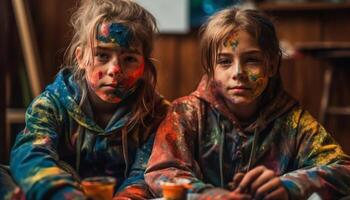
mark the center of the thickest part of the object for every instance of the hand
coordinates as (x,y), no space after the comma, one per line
(218,193)
(261,182)
(235,182)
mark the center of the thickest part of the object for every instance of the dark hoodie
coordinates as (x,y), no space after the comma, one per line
(202,141)
(61,144)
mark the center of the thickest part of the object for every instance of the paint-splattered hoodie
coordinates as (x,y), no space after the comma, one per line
(201,140)
(62,144)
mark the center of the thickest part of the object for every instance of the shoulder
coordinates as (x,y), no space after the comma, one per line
(44,101)
(188,108)
(189,102)
(304,123)
(297,116)
(44,106)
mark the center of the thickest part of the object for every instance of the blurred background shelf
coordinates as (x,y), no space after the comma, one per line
(303,6)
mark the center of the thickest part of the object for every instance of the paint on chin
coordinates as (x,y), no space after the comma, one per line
(110,98)
(133,76)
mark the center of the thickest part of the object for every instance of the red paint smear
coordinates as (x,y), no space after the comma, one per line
(105,29)
(116,69)
(110,99)
(134,75)
(100,74)
(95,78)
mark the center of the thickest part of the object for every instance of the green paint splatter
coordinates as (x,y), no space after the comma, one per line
(232,41)
(253,77)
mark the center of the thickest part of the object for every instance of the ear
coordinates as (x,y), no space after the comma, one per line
(79,57)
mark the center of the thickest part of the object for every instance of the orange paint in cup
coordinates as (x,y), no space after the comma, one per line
(99,187)
(175,189)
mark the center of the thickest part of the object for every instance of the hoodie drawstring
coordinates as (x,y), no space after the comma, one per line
(221,154)
(254,145)
(125,150)
(79,144)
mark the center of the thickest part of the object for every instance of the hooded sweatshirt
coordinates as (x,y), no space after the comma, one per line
(202,141)
(62,144)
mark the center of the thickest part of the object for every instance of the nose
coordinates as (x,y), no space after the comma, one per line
(114,70)
(237,71)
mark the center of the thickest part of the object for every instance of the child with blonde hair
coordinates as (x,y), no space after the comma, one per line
(240,135)
(99,116)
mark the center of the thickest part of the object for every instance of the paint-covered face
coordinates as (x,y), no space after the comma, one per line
(116,65)
(240,73)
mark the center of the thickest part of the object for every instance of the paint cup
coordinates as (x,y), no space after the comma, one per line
(175,189)
(99,187)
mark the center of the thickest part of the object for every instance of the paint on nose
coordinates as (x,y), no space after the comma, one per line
(115,70)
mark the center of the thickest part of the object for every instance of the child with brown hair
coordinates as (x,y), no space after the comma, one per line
(240,135)
(99,116)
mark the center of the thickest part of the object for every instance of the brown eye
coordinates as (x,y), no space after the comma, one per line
(224,61)
(130,59)
(102,57)
(253,60)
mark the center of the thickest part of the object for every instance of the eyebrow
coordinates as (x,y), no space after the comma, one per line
(130,50)
(249,52)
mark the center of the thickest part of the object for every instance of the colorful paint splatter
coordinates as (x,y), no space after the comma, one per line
(43,158)
(202,141)
(108,32)
(258,82)
(232,41)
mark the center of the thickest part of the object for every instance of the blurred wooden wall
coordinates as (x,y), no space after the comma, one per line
(178,62)
(303,78)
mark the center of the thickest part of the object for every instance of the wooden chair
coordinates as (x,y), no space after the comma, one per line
(337,55)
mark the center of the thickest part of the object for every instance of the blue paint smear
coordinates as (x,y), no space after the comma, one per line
(118,33)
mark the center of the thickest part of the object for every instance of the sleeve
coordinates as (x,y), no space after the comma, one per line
(135,187)
(174,148)
(34,159)
(322,165)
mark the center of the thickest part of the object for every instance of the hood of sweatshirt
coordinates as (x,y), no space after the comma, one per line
(274,102)
(70,96)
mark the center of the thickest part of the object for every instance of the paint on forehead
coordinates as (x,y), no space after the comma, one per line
(108,32)
(232,41)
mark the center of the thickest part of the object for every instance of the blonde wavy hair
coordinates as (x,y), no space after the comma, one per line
(142,25)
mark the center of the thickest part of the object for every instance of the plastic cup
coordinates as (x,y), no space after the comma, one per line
(99,187)
(175,189)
